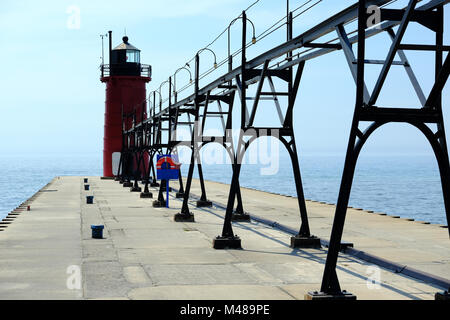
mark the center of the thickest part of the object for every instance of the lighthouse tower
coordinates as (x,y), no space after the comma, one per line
(125,79)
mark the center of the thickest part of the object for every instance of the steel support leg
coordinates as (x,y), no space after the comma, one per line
(180,193)
(128,171)
(330,283)
(330,288)
(185,215)
(228,240)
(146,193)
(160,202)
(203,202)
(304,239)
(137,175)
(239,214)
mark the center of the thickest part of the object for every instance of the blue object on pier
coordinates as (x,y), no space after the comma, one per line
(97,231)
(86,187)
(89,199)
(166,167)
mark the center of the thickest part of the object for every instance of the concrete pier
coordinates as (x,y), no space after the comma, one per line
(48,252)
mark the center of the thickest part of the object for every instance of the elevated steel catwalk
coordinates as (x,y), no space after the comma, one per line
(305,41)
(285,62)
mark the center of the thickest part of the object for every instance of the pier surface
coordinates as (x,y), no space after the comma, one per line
(146,255)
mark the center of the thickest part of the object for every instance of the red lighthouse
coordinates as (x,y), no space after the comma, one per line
(125,79)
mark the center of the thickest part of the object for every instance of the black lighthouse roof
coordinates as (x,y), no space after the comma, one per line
(125,45)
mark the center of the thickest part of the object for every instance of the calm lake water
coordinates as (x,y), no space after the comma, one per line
(404,185)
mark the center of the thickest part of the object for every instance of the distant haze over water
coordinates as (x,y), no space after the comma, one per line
(404,185)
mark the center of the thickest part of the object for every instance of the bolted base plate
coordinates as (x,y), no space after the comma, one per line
(345,245)
(344,295)
(204,203)
(179,195)
(183,217)
(442,296)
(146,195)
(154,184)
(227,243)
(242,217)
(305,242)
(127,184)
(135,189)
(159,204)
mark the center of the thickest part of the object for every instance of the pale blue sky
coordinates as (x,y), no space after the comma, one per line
(52,99)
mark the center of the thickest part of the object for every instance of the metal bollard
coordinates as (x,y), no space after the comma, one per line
(97,231)
(89,199)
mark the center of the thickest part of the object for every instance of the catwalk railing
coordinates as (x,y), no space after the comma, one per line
(281,70)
